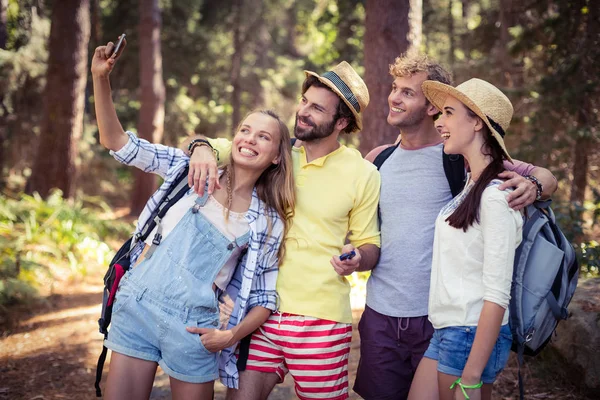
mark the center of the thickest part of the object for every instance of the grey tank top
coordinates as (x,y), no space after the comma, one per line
(414,189)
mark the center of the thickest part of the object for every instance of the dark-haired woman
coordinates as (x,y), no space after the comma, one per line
(476,236)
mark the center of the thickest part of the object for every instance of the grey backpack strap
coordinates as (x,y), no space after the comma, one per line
(156,239)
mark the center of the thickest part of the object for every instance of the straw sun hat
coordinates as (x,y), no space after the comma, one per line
(346,83)
(481,97)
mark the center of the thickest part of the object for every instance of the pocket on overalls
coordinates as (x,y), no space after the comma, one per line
(122,297)
(194,251)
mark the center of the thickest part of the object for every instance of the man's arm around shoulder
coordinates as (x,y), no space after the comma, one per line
(525,190)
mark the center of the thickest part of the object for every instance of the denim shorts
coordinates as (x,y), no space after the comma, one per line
(146,326)
(451,346)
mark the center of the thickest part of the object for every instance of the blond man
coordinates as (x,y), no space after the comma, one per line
(394,329)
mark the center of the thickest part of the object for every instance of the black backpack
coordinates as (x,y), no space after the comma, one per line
(454,167)
(121,263)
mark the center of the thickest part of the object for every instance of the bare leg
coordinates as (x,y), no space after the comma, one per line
(129,378)
(424,385)
(254,385)
(184,390)
(445,381)
(486,391)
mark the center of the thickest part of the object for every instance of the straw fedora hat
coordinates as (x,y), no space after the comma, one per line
(481,97)
(346,83)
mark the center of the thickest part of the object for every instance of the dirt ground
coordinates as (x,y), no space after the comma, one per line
(51,353)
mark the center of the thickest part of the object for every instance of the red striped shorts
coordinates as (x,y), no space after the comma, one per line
(314,351)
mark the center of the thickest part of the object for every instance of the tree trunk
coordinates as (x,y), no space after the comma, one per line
(506,21)
(3,31)
(3,112)
(96,24)
(346,29)
(451,34)
(386,37)
(62,121)
(467,36)
(415,19)
(236,64)
(583,143)
(152,96)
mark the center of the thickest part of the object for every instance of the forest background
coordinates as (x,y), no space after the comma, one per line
(197,66)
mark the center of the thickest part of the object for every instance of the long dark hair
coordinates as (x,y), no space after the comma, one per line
(468,211)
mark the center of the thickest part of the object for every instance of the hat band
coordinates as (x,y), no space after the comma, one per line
(496,126)
(343,88)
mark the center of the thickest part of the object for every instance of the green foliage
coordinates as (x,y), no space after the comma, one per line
(570,217)
(279,40)
(44,240)
(22,80)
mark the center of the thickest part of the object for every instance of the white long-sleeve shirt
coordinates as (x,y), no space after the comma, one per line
(476,265)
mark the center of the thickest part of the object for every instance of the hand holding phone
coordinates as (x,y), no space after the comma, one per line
(118,46)
(105,57)
(348,256)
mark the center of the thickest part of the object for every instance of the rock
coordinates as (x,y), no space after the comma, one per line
(577,339)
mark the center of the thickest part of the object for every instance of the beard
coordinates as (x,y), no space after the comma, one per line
(314,132)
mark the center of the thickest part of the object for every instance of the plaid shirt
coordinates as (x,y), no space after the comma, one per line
(253,283)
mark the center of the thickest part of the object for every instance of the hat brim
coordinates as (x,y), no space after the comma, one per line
(437,92)
(330,85)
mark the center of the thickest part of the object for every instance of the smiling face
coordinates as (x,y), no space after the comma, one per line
(460,131)
(408,106)
(315,114)
(256,143)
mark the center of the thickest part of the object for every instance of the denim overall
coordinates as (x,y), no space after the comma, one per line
(169,291)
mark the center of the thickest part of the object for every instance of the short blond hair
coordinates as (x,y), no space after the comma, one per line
(408,65)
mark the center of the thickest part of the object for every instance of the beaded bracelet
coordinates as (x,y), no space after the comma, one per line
(538,186)
(463,387)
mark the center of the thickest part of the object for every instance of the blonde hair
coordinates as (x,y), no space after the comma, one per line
(275,186)
(410,64)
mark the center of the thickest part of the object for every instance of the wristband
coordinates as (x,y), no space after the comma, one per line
(538,186)
(463,387)
(202,142)
(199,142)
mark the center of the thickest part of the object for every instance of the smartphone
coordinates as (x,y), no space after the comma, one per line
(348,256)
(118,45)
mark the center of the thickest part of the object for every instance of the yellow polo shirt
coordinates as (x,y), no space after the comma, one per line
(336,196)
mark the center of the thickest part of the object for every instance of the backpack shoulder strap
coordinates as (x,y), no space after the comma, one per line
(175,192)
(454,167)
(384,155)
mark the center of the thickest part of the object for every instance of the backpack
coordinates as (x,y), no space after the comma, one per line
(544,280)
(454,167)
(121,263)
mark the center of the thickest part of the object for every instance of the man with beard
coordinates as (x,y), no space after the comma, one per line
(337,193)
(394,328)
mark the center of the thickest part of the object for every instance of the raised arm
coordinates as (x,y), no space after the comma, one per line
(112,135)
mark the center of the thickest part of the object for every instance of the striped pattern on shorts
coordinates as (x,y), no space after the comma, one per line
(314,351)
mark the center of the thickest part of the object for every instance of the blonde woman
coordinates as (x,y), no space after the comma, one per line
(220,245)
(476,236)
